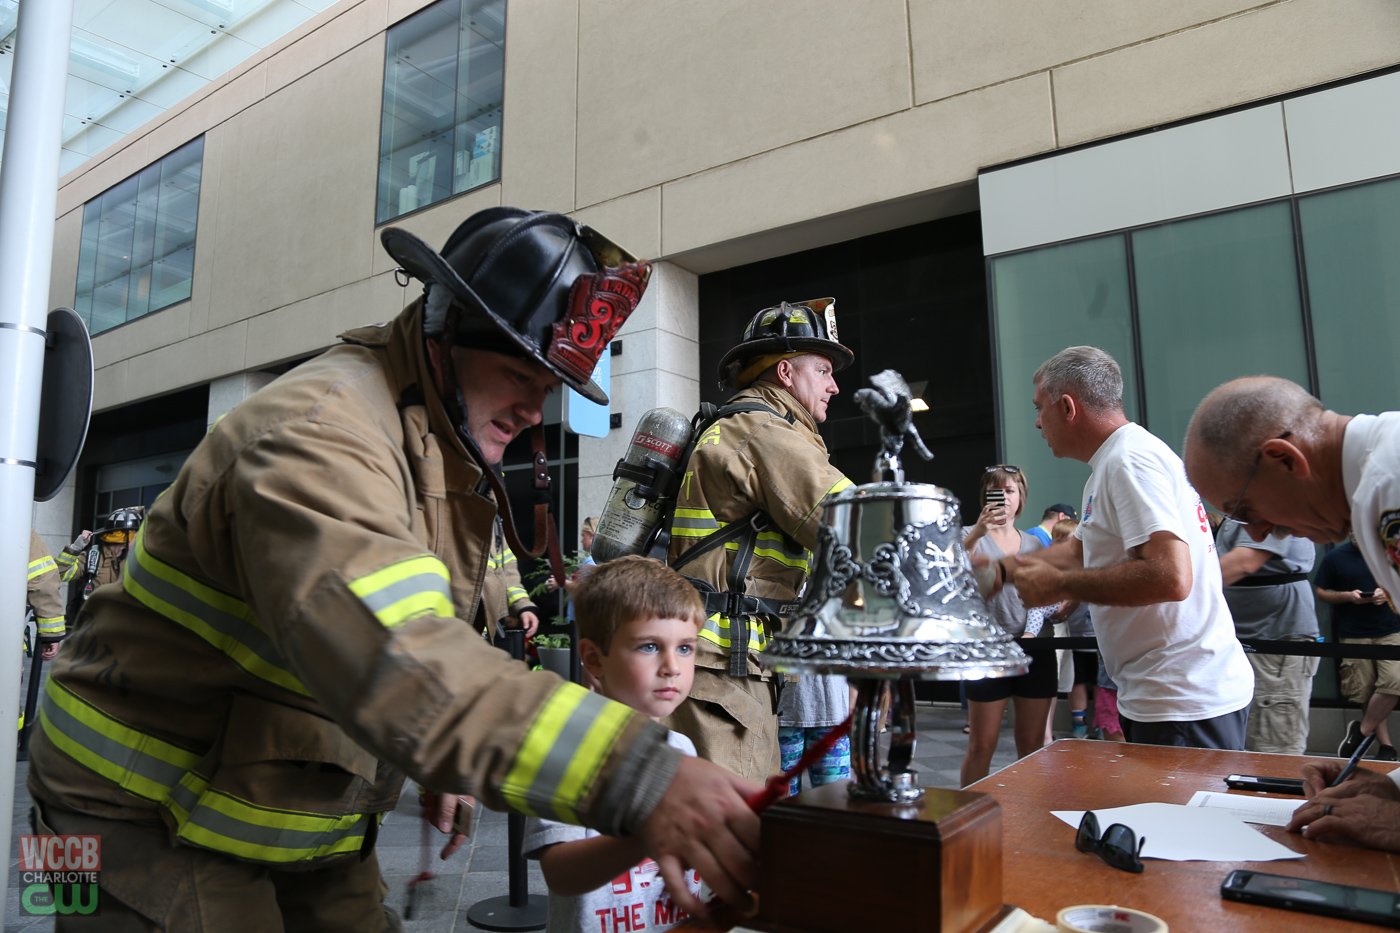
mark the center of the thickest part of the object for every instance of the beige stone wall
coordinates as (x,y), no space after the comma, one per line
(708,133)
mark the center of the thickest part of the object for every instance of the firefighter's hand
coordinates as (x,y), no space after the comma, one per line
(529,622)
(704,823)
(451,814)
(83,539)
(49,650)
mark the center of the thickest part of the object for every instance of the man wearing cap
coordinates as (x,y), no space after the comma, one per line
(293,628)
(762,473)
(1052,517)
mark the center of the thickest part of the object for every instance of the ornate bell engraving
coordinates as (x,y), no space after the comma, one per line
(892,599)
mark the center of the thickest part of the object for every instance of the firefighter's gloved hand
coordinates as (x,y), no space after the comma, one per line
(48,650)
(83,539)
(704,822)
(449,813)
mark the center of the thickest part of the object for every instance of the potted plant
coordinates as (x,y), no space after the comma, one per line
(553,651)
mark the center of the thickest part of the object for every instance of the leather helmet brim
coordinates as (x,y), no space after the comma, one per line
(840,355)
(427,265)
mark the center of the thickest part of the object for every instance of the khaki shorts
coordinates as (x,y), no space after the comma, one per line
(1278,715)
(1362,677)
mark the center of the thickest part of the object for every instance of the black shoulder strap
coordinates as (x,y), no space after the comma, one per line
(745,532)
(708,414)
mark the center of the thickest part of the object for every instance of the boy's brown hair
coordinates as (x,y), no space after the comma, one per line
(1063,529)
(627,589)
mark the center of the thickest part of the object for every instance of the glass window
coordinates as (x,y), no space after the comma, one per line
(136,254)
(1350,241)
(1045,300)
(440,133)
(1217,298)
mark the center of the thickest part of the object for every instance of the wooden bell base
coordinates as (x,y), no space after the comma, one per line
(831,864)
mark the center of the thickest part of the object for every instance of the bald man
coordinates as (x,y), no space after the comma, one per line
(1273,458)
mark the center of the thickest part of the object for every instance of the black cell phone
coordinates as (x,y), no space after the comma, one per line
(1271,785)
(996,496)
(1367,905)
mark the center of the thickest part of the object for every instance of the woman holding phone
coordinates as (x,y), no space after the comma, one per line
(994,536)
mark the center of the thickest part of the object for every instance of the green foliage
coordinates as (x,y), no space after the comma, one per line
(571,563)
(550,641)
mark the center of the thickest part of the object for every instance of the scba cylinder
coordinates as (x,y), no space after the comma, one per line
(643,483)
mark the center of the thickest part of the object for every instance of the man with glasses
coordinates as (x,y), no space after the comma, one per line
(1272,457)
(1275,459)
(1144,560)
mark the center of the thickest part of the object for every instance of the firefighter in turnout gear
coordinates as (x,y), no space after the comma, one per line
(293,628)
(44,579)
(95,559)
(769,469)
(504,597)
(49,622)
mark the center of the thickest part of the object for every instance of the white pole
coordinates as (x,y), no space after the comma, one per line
(28,199)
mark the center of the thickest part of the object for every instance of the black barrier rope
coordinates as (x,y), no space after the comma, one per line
(1313,649)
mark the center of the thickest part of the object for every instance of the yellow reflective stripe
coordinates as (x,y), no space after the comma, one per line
(220,821)
(164,774)
(223,621)
(65,559)
(716,631)
(584,767)
(140,763)
(498,559)
(41,565)
(562,752)
(694,523)
(406,590)
(515,594)
(50,625)
(836,487)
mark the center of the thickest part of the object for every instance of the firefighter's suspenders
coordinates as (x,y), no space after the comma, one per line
(734,604)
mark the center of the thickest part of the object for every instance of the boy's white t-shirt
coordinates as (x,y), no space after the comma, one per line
(634,900)
(1173,661)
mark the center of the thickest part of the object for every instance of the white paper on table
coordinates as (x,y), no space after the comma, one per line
(1179,833)
(1271,811)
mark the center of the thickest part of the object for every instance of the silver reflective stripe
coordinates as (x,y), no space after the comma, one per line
(386,596)
(688,525)
(161,775)
(228,627)
(264,837)
(545,788)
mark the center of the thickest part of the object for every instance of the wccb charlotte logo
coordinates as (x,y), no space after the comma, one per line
(58,874)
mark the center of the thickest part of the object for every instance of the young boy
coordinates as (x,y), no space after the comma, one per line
(638,621)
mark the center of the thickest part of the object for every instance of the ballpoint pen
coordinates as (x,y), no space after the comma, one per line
(1356,757)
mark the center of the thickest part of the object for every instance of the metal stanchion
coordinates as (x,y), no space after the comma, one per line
(519,910)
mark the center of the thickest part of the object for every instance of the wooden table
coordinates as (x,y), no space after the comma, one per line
(1044,873)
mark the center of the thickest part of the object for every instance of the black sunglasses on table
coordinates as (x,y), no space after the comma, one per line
(1118,845)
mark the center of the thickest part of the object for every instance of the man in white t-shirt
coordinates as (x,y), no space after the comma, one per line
(1274,459)
(1144,559)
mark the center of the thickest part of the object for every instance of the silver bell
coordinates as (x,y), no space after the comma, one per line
(892,594)
(891,600)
